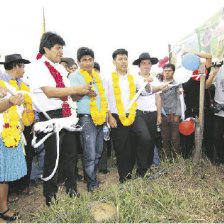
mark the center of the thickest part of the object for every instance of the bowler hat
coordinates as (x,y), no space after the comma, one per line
(15,58)
(144,56)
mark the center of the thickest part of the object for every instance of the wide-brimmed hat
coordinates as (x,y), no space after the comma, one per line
(14,58)
(144,56)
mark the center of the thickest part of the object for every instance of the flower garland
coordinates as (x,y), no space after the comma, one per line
(98,117)
(126,121)
(11,132)
(66,111)
(28,113)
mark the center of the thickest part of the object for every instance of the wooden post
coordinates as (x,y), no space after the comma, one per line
(170,53)
(199,123)
(202,100)
(44,24)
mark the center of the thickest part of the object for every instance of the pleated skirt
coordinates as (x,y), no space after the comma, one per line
(12,162)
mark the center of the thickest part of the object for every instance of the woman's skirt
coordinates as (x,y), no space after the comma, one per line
(12,162)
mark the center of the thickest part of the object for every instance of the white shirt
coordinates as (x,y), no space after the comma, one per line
(39,76)
(148,102)
(125,91)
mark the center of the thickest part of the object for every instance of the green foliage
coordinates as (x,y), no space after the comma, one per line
(186,193)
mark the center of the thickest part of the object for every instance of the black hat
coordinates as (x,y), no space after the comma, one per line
(15,58)
(144,56)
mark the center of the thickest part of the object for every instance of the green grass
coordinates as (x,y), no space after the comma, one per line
(187,193)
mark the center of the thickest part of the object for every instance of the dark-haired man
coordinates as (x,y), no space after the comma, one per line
(172,106)
(92,111)
(52,90)
(148,115)
(121,88)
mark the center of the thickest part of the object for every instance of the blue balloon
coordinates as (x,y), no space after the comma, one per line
(191,61)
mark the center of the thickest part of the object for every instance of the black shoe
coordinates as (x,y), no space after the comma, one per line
(104,171)
(50,199)
(72,192)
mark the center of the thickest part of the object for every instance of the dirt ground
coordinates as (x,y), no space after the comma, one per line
(28,205)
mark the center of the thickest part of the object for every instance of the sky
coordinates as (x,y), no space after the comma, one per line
(102,25)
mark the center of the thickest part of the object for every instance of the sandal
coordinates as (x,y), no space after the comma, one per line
(10,218)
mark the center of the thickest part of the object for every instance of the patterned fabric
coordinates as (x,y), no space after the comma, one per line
(12,163)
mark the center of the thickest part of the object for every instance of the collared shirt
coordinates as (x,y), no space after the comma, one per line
(6,77)
(83,104)
(125,91)
(171,99)
(148,102)
(39,76)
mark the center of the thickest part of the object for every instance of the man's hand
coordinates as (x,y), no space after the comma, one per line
(3,91)
(164,87)
(148,88)
(112,121)
(92,93)
(159,120)
(82,89)
(17,99)
(148,79)
(180,91)
(76,97)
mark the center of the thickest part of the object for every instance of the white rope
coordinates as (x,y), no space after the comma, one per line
(57,129)
(136,96)
(169,85)
(182,105)
(50,126)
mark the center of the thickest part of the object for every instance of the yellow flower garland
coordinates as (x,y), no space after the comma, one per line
(126,121)
(98,117)
(28,113)
(11,132)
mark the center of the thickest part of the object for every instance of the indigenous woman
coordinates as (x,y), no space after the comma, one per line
(12,159)
(14,70)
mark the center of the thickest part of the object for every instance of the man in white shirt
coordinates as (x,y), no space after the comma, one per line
(51,88)
(121,88)
(148,115)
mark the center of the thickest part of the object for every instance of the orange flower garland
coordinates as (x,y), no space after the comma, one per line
(28,113)
(11,133)
(98,117)
(126,121)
